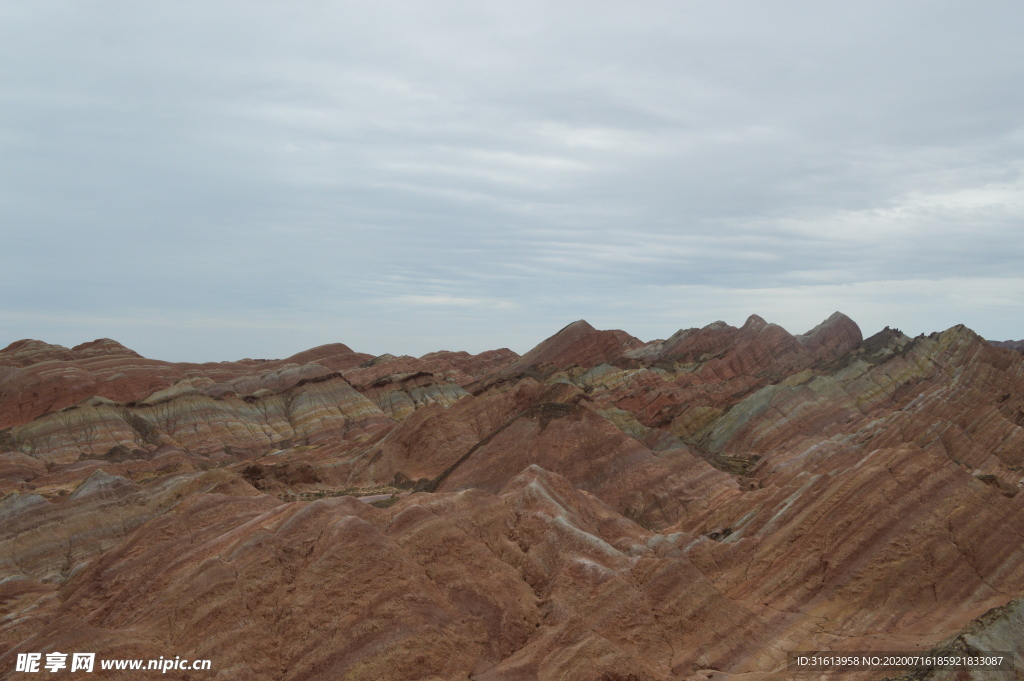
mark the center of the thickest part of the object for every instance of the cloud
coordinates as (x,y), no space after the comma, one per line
(446,301)
(496,170)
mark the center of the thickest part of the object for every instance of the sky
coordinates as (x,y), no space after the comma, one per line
(206,181)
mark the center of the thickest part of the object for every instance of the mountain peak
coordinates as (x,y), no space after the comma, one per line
(754,323)
(103,346)
(578,343)
(29,351)
(834,336)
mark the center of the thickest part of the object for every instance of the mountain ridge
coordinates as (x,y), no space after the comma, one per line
(600,507)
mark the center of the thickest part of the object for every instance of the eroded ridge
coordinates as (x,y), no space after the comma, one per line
(598,508)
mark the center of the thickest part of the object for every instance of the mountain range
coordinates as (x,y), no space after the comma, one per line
(599,508)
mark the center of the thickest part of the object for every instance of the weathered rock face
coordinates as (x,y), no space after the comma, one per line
(599,508)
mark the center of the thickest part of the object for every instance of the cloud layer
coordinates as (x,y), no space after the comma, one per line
(211,180)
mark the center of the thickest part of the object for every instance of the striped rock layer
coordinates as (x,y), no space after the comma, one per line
(598,508)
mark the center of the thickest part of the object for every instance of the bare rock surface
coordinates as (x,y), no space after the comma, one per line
(598,509)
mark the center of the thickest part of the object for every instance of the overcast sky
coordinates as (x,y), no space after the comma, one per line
(215,180)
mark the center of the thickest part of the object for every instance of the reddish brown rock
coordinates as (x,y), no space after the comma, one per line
(600,508)
(475,365)
(577,344)
(36,378)
(836,335)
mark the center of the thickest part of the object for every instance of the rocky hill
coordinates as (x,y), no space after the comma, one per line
(599,508)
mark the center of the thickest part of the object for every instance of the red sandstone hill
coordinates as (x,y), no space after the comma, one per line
(599,508)
(578,344)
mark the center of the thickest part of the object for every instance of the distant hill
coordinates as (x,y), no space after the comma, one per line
(1010,344)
